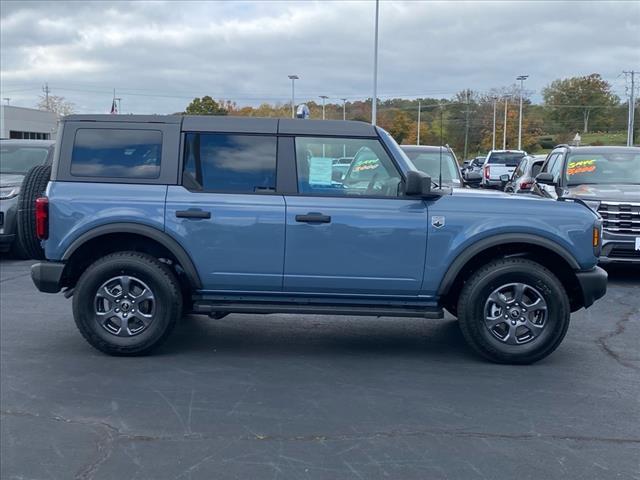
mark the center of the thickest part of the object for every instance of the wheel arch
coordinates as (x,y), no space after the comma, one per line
(542,250)
(103,239)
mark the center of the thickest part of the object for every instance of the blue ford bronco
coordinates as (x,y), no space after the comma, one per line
(145,218)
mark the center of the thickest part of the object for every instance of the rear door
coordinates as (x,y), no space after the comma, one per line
(227,214)
(353,234)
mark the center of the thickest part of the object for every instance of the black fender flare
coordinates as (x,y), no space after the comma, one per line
(502,239)
(159,236)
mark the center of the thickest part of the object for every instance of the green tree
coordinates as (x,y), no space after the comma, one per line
(579,102)
(205,106)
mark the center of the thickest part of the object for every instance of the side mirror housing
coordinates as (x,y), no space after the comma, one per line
(545,179)
(473,178)
(417,184)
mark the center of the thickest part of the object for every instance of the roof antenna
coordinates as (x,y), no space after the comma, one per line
(441,140)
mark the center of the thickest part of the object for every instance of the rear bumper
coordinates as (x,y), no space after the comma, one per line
(47,276)
(593,284)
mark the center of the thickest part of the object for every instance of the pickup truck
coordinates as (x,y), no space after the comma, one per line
(498,164)
(146,218)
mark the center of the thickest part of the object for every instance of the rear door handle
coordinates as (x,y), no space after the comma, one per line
(192,214)
(313,218)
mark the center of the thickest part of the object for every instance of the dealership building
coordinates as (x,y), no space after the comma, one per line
(27,123)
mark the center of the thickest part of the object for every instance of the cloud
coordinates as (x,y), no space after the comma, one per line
(159,55)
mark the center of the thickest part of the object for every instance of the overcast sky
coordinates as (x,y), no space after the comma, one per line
(159,55)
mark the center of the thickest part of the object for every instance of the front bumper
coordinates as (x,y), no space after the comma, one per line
(593,284)
(618,248)
(47,276)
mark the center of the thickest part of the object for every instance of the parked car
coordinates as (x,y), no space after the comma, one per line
(427,159)
(524,175)
(17,157)
(499,163)
(148,217)
(475,164)
(608,180)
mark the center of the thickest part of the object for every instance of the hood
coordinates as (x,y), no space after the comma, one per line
(7,179)
(483,192)
(612,193)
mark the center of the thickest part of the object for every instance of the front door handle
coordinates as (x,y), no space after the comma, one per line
(192,214)
(313,218)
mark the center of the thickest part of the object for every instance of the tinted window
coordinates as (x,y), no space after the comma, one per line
(370,173)
(554,169)
(510,159)
(105,152)
(522,168)
(232,163)
(15,159)
(535,169)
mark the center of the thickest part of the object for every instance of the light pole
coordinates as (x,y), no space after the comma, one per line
(522,78)
(418,133)
(323,97)
(293,79)
(374,100)
(495,102)
(344,108)
(119,99)
(504,131)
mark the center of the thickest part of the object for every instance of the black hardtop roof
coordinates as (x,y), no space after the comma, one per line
(424,148)
(231,124)
(602,149)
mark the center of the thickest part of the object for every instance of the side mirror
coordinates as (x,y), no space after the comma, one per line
(545,179)
(473,178)
(417,184)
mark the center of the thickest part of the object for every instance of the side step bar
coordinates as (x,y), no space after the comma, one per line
(206,307)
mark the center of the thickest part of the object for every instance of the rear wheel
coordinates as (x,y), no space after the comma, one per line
(514,311)
(127,303)
(33,186)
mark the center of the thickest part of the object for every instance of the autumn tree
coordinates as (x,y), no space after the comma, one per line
(579,102)
(205,106)
(58,105)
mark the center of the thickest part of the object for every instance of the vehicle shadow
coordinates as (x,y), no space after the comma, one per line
(624,274)
(293,335)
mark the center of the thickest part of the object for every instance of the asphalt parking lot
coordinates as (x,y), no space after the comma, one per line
(285,396)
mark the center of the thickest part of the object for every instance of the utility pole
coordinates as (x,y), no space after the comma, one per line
(418,139)
(293,79)
(495,103)
(374,100)
(466,124)
(46,91)
(632,109)
(522,78)
(344,108)
(504,132)
(323,97)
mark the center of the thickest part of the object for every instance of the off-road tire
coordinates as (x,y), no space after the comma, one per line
(33,186)
(476,291)
(160,280)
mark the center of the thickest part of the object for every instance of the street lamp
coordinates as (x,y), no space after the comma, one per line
(522,78)
(495,102)
(504,132)
(344,108)
(323,97)
(293,79)
(374,100)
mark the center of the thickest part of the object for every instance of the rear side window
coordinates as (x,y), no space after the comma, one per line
(105,152)
(230,163)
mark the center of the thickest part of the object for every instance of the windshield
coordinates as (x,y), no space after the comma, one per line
(14,159)
(603,168)
(429,163)
(510,159)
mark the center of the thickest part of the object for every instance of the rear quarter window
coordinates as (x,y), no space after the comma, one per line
(109,153)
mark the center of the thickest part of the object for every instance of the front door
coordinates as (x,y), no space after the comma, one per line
(351,233)
(227,214)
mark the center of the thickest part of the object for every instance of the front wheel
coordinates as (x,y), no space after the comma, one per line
(514,310)
(127,303)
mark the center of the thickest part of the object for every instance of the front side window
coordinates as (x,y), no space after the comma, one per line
(103,152)
(321,167)
(230,163)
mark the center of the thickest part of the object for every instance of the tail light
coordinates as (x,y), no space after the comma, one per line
(42,218)
(525,185)
(486,172)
